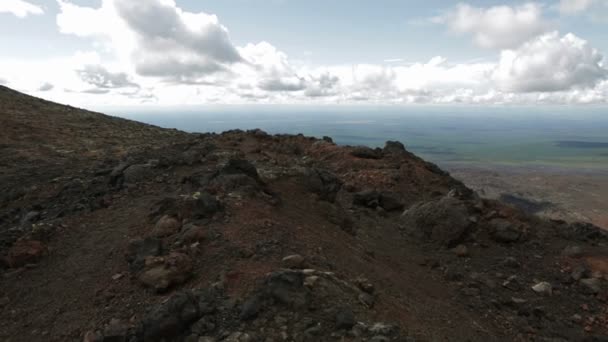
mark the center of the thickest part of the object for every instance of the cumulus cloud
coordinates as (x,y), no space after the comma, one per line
(19,8)
(183,58)
(550,63)
(46,87)
(100,77)
(159,38)
(500,27)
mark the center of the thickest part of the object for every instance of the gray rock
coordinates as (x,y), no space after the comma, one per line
(294,261)
(444,221)
(367,300)
(543,288)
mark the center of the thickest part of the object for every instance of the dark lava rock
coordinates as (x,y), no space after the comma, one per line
(323,183)
(372,199)
(504,231)
(251,308)
(393,147)
(197,206)
(368,198)
(137,173)
(139,250)
(170,320)
(444,221)
(366,153)
(328,139)
(287,287)
(582,231)
(345,319)
(240,166)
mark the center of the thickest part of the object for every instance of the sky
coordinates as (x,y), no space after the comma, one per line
(145,53)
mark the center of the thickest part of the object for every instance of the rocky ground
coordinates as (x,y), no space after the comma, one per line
(553,192)
(111,230)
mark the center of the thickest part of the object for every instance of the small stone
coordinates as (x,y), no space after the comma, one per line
(543,288)
(310,281)
(512,283)
(93,336)
(367,300)
(461,251)
(365,285)
(295,261)
(576,318)
(117,276)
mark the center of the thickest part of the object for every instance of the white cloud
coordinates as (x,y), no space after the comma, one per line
(550,63)
(156,36)
(574,6)
(99,77)
(19,8)
(496,27)
(184,58)
(46,87)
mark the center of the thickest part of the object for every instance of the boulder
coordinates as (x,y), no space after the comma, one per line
(444,221)
(192,233)
(139,250)
(137,173)
(504,231)
(322,182)
(293,261)
(170,320)
(163,272)
(240,166)
(166,226)
(373,199)
(366,152)
(393,147)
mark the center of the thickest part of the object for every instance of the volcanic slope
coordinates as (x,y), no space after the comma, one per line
(113,230)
